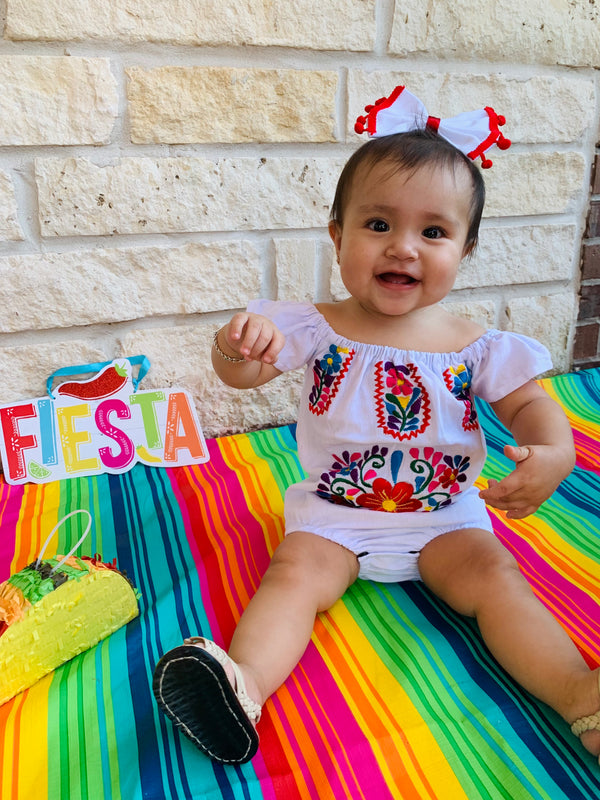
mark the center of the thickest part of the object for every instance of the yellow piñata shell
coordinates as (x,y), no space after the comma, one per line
(64,623)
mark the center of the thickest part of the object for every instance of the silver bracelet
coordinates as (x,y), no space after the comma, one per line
(222,354)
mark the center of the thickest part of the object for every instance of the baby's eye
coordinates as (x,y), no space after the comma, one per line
(378,225)
(433,233)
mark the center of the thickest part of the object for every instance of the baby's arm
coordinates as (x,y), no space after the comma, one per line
(256,340)
(545,454)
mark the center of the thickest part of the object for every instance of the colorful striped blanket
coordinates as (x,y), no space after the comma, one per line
(396,696)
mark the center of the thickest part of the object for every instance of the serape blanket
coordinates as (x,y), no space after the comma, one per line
(396,696)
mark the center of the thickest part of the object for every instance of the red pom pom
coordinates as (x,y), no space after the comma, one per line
(501,119)
(369,108)
(486,163)
(359,125)
(503,143)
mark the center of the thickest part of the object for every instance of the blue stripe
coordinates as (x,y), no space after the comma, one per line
(565,763)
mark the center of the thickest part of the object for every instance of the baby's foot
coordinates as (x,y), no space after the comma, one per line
(203,691)
(587,726)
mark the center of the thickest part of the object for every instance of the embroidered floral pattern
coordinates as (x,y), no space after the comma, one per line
(355,480)
(328,372)
(458,381)
(401,400)
(386,497)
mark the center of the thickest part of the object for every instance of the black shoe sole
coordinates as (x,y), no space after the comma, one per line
(193,690)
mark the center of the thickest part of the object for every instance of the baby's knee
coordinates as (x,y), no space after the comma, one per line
(307,558)
(497,560)
(466,567)
(290,556)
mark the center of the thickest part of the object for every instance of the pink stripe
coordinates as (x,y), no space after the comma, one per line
(251,556)
(588,452)
(313,689)
(10,508)
(243,559)
(554,589)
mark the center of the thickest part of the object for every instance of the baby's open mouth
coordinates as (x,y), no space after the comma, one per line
(397,277)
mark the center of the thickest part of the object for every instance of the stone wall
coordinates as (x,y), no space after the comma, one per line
(163,162)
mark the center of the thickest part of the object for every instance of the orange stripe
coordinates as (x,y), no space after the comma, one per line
(251,475)
(552,555)
(294,766)
(266,510)
(11,728)
(208,492)
(574,624)
(348,666)
(309,703)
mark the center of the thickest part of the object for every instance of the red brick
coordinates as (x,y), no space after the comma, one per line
(589,304)
(590,268)
(593,223)
(587,341)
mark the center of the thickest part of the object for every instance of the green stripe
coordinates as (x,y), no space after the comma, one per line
(482,758)
(278,449)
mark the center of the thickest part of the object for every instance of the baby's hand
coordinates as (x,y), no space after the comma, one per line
(254,337)
(539,470)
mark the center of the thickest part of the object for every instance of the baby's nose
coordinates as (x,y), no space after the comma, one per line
(403,245)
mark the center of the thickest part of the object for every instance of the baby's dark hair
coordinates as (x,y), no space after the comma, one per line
(411,151)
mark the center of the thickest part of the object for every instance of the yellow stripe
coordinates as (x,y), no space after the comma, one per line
(257,484)
(583,424)
(30,716)
(555,550)
(40,503)
(397,707)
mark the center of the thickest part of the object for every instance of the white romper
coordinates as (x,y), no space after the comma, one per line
(387,430)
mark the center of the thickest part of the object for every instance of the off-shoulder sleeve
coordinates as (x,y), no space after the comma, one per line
(298,322)
(504,362)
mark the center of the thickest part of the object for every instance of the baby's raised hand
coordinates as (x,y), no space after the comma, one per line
(254,337)
(539,470)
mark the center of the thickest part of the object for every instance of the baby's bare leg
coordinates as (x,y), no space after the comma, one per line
(478,577)
(307,574)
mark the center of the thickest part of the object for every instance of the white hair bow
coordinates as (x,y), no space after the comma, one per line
(472,132)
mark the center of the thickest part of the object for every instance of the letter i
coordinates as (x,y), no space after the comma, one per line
(47,431)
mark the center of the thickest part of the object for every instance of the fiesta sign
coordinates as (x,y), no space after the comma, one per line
(99,425)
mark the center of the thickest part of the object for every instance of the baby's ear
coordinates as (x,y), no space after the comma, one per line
(335,231)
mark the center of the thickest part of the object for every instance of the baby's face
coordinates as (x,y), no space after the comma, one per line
(403,236)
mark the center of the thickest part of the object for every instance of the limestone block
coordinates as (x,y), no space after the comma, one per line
(168,195)
(181,356)
(47,100)
(521,184)
(10,230)
(110,285)
(547,318)
(180,105)
(295,259)
(516,255)
(537,108)
(536,32)
(312,24)
(25,368)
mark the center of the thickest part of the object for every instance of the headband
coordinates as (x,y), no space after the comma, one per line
(472,132)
